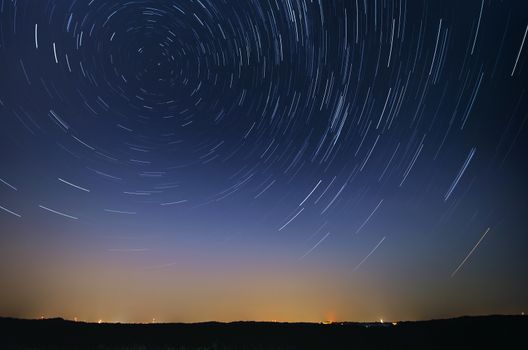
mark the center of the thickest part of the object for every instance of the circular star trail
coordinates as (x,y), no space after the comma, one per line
(362,135)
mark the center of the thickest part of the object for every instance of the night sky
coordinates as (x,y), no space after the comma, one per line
(292,160)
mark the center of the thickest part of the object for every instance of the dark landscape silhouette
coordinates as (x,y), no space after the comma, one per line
(498,332)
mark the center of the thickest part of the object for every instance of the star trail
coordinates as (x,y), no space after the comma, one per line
(263,159)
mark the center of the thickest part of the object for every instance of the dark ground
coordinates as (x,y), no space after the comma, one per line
(499,332)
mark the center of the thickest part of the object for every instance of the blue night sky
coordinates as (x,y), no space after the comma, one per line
(293,160)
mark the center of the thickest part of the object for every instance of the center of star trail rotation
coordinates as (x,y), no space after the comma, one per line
(358,154)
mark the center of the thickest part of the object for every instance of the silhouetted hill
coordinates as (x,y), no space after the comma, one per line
(464,332)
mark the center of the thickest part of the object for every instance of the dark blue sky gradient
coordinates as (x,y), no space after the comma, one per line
(294,160)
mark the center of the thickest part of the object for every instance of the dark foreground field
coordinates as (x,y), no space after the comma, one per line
(498,332)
